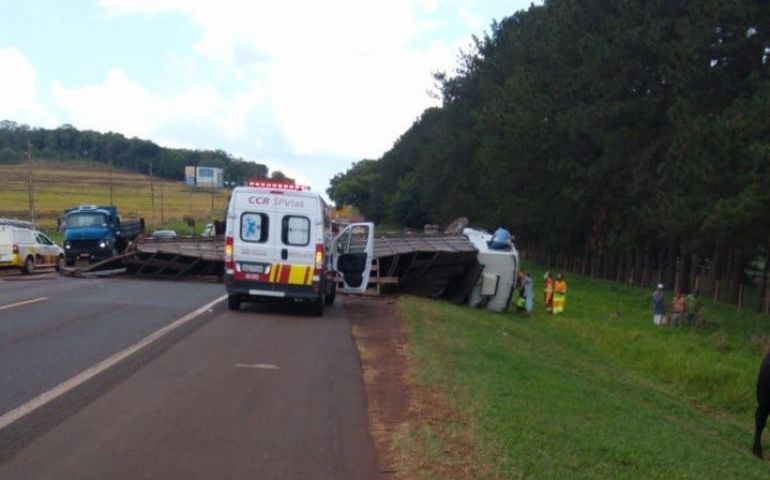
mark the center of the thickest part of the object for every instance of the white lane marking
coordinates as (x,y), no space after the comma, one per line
(261,366)
(25,302)
(64,387)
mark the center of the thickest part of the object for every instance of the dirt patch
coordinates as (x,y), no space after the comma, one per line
(380,338)
(416,432)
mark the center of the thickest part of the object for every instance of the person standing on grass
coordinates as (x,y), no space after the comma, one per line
(679,309)
(529,293)
(658,305)
(693,307)
(559,294)
(548,292)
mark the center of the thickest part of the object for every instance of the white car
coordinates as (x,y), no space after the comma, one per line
(27,249)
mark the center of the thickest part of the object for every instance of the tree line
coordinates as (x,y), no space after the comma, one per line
(624,139)
(66,143)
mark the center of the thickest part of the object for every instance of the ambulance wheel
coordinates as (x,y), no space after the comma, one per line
(331,295)
(233,302)
(29,266)
(317,307)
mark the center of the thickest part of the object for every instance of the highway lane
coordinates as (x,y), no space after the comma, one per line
(266,393)
(71,324)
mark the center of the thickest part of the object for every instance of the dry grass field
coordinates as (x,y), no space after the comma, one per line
(59,186)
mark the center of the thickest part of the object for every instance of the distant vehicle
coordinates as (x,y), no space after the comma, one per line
(27,249)
(163,234)
(279,244)
(95,233)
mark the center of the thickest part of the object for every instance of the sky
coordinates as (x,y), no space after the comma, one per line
(306,87)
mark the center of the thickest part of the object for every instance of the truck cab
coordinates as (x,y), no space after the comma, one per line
(95,233)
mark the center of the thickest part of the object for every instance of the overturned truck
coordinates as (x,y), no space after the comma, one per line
(460,267)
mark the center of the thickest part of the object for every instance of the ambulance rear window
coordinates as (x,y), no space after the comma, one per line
(254,227)
(295,231)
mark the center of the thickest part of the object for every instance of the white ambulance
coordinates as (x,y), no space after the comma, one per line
(279,245)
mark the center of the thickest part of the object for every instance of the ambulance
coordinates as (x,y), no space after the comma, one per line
(279,245)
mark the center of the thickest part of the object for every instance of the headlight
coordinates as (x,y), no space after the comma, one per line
(102,244)
(67,245)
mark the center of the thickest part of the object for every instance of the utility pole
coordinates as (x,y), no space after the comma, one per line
(152,195)
(30,184)
(109,155)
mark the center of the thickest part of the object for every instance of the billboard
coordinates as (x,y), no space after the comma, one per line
(209,177)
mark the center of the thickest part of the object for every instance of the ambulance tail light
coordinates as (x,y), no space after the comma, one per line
(16,249)
(319,256)
(319,262)
(229,263)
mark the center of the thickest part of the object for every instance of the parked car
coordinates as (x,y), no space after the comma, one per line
(27,249)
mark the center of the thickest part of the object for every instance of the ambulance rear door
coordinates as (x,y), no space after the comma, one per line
(255,245)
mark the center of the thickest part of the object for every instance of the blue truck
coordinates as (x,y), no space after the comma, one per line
(96,233)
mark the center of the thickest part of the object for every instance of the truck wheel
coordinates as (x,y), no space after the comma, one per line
(29,266)
(233,302)
(317,307)
(331,295)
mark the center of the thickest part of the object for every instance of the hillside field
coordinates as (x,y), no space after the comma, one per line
(59,186)
(598,392)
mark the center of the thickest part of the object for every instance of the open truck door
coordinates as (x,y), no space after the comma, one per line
(353,254)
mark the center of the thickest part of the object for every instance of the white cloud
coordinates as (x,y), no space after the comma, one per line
(18,95)
(343,77)
(121,104)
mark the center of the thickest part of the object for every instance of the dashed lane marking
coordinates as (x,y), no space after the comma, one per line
(259,366)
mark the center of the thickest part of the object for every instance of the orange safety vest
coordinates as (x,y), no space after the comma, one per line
(560,287)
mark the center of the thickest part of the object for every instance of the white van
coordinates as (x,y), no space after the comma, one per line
(278,244)
(26,249)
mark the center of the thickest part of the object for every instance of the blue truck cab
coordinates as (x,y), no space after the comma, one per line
(95,233)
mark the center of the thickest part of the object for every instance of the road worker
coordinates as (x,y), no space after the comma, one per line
(548,292)
(559,294)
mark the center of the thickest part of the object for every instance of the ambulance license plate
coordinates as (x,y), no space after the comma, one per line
(252,268)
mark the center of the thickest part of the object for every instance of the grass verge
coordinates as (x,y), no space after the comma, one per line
(598,392)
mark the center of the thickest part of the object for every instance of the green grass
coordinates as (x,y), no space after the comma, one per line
(599,392)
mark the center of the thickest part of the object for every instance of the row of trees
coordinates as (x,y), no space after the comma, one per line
(621,138)
(66,143)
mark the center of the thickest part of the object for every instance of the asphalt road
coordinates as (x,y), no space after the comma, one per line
(268,392)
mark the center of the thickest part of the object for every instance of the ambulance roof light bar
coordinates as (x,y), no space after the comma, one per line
(277,185)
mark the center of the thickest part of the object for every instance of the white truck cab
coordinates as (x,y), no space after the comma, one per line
(279,245)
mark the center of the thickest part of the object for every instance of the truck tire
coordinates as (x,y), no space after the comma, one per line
(331,294)
(29,266)
(233,302)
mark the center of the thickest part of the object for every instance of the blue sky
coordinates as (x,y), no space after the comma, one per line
(306,87)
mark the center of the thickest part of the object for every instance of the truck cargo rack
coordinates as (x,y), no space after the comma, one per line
(437,266)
